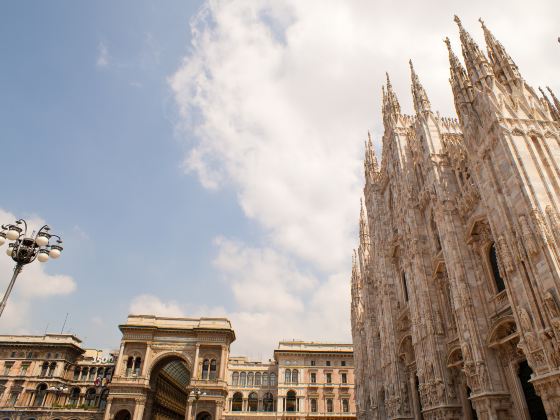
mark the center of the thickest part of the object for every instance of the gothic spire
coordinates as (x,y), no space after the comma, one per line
(460,83)
(370,160)
(554,98)
(364,229)
(419,96)
(391,106)
(505,69)
(553,110)
(477,65)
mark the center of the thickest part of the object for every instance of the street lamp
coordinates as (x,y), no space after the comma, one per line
(25,249)
(196,393)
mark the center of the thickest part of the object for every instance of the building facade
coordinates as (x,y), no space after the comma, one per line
(456,280)
(172,368)
(51,376)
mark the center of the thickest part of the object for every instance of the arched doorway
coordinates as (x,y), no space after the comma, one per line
(122,415)
(169,380)
(204,416)
(534,402)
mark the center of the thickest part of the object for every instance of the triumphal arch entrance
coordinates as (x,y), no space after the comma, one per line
(170,369)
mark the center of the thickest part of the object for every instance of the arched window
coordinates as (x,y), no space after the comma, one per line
(129,364)
(237,402)
(250,379)
(74,396)
(313,405)
(498,280)
(329,405)
(268,402)
(213,366)
(40,393)
(405,286)
(235,378)
(265,379)
(90,397)
(291,401)
(103,399)
(272,379)
(85,372)
(243,379)
(205,368)
(288,376)
(92,372)
(253,401)
(52,368)
(137,365)
(258,379)
(44,369)
(295,376)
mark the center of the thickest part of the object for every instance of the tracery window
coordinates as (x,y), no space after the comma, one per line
(493,257)
(90,397)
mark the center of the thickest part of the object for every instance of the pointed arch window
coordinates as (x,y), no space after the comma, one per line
(493,257)
(253,403)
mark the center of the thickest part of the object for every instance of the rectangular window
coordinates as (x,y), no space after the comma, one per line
(343,378)
(13,398)
(313,405)
(7,367)
(329,406)
(313,363)
(328,363)
(23,370)
(343,363)
(329,378)
(313,377)
(345,406)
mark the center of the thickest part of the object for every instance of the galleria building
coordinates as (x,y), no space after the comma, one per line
(456,281)
(172,369)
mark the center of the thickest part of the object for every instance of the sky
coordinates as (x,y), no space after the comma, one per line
(204,158)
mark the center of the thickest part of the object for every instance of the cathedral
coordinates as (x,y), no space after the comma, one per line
(456,280)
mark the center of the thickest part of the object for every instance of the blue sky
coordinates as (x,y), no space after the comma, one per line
(204,158)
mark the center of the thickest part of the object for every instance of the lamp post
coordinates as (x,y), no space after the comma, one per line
(196,393)
(25,249)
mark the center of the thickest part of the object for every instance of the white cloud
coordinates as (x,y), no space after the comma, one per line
(152,305)
(33,283)
(280,95)
(103,57)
